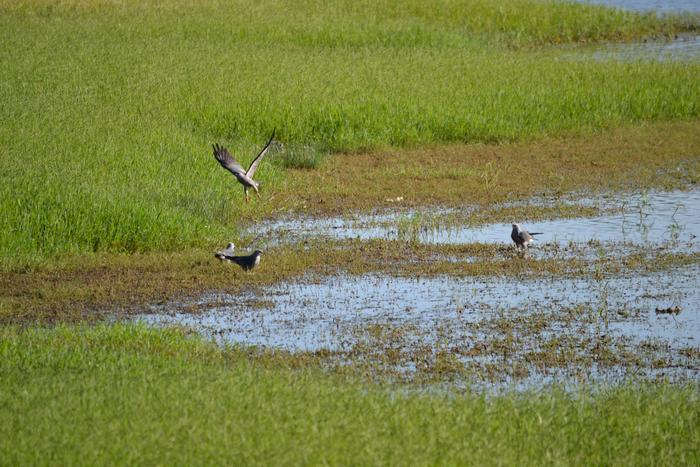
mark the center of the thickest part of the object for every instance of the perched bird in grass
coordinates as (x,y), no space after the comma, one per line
(244,177)
(228,251)
(522,237)
(247,262)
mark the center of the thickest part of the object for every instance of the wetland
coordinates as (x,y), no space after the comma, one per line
(391,317)
(594,322)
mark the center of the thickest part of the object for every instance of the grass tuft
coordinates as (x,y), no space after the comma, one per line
(299,156)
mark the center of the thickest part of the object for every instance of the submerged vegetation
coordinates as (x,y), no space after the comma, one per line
(110,108)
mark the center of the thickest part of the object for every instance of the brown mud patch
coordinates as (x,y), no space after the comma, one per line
(651,156)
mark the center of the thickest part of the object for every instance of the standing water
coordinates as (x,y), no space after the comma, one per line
(641,219)
(661,6)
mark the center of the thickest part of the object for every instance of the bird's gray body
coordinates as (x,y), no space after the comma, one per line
(247,262)
(246,181)
(228,251)
(244,177)
(522,238)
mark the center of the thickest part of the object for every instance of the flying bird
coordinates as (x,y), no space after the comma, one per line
(522,237)
(244,177)
(247,262)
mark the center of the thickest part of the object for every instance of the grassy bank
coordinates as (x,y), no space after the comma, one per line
(651,156)
(123,394)
(110,108)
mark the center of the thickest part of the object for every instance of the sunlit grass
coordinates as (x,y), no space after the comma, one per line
(110,108)
(128,394)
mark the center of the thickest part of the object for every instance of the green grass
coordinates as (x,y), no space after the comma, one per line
(110,108)
(127,394)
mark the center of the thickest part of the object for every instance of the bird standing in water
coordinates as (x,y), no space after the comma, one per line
(244,177)
(522,237)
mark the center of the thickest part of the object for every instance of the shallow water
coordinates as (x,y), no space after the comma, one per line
(307,315)
(523,331)
(661,6)
(642,219)
(682,48)
(340,313)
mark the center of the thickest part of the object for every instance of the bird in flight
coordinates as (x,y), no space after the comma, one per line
(247,262)
(522,237)
(244,177)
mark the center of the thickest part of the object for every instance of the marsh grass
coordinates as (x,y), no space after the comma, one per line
(110,108)
(124,393)
(566,344)
(660,156)
(299,156)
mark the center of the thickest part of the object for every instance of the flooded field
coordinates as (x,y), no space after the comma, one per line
(315,314)
(682,48)
(662,6)
(509,329)
(671,218)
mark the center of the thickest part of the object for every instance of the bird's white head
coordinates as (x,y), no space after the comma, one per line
(516,227)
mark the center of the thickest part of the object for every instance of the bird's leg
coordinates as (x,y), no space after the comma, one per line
(246,194)
(258,193)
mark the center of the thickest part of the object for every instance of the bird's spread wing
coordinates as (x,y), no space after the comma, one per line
(226,160)
(535,233)
(258,158)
